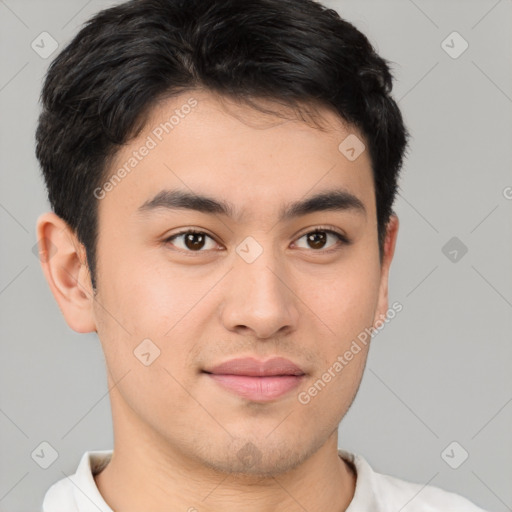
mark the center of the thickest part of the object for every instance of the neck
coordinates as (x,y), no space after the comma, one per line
(137,480)
(147,472)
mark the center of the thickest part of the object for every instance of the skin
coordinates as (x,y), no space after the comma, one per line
(177,434)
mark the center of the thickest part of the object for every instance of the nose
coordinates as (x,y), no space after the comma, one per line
(260,301)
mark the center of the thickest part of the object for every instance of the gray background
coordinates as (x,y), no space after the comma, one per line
(438,373)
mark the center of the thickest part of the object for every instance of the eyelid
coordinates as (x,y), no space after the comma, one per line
(187,231)
(343,239)
(327,228)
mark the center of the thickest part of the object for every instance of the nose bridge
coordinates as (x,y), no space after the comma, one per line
(260,297)
(259,266)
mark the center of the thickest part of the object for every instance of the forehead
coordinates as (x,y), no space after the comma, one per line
(212,146)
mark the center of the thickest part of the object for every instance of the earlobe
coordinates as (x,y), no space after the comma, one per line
(65,267)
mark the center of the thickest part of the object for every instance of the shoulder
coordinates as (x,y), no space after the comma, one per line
(412,497)
(380,492)
(59,497)
(78,491)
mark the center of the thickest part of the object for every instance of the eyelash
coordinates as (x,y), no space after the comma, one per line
(321,229)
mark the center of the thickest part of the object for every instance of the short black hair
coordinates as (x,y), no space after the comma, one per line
(100,88)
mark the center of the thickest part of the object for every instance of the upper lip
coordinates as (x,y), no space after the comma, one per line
(255,368)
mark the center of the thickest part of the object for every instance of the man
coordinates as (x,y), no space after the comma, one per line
(222,175)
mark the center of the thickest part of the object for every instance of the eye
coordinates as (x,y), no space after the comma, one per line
(193,240)
(319,236)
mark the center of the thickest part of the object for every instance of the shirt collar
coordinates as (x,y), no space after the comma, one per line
(85,490)
(364,498)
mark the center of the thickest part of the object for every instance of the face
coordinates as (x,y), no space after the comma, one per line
(251,282)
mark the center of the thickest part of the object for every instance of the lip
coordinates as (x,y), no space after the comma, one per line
(257,389)
(249,366)
(260,381)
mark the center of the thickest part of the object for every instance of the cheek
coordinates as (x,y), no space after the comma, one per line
(145,334)
(156,393)
(347,307)
(345,301)
(168,309)
(145,297)
(330,392)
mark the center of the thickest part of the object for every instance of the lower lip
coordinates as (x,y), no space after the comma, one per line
(261,389)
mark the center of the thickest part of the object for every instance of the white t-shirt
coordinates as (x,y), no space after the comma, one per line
(374,492)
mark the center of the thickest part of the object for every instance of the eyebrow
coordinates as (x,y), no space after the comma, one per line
(331,200)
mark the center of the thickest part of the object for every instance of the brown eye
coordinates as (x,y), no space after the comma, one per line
(318,238)
(197,241)
(191,241)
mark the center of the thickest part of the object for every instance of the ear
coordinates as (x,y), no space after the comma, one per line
(388,252)
(65,267)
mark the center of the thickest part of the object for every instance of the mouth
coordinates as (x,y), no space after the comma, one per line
(259,381)
(257,389)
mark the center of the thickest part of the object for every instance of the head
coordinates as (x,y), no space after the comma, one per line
(252,105)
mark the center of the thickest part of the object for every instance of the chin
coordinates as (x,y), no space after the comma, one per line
(245,458)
